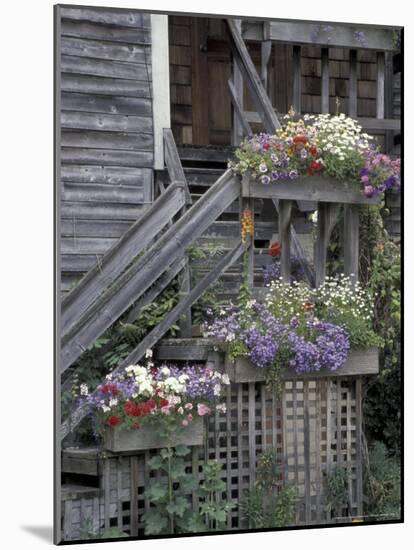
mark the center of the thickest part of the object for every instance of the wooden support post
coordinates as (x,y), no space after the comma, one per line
(297,79)
(266,50)
(351,240)
(380,84)
(389,99)
(248,202)
(327,216)
(243,126)
(185,322)
(325,81)
(285,213)
(353,84)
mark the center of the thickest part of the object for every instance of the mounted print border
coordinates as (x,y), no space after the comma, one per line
(228,274)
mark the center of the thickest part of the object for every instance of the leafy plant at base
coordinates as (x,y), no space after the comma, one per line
(87,531)
(171,512)
(268,505)
(171,507)
(213,508)
(383,484)
(336,490)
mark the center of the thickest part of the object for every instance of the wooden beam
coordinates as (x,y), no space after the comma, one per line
(132,242)
(134,281)
(340,35)
(236,96)
(152,338)
(252,79)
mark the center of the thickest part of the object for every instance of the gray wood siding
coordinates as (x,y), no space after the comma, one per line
(107,142)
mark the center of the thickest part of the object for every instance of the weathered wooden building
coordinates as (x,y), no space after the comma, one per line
(150,108)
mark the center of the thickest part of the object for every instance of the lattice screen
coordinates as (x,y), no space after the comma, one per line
(314,427)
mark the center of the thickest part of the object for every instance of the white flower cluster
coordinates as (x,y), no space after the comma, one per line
(339,135)
(344,297)
(286,300)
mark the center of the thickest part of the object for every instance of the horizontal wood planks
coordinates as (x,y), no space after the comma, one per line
(106,129)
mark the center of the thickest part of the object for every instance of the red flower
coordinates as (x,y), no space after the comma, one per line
(164,403)
(148,406)
(132,409)
(266,146)
(275,250)
(110,389)
(313,151)
(299,139)
(114,420)
(314,166)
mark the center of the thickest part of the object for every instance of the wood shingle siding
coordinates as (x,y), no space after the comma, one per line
(107,142)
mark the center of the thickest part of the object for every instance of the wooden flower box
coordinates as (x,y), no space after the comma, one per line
(312,188)
(359,362)
(147,437)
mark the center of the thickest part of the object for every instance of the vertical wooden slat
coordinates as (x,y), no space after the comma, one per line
(285,212)
(295,430)
(252,435)
(297,79)
(199,87)
(240,429)
(263,411)
(359,465)
(274,421)
(228,450)
(325,81)
(338,431)
(307,453)
(194,466)
(67,522)
(318,407)
(107,491)
(380,84)
(134,496)
(96,513)
(351,498)
(353,84)
(266,50)
(351,240)
(328,426)
(327,216)
(389,98)
(119,490)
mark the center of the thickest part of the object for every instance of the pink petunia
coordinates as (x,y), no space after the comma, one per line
(203,409)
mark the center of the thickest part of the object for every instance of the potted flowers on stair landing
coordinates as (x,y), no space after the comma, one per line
(299,332)
(322,157)
(145,407)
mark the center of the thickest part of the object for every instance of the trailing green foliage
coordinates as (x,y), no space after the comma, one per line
(268,504)
(383,484)
(87,531)
(380,267)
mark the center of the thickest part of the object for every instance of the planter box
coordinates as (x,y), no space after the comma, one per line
(359,362)
(147,437)
(312,188)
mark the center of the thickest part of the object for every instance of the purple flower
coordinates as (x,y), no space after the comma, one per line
(275,175)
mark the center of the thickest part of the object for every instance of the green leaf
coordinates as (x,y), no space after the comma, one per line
(155,463)
(155,522)
(177,471)
(182,450)
(178,506)
(156,491)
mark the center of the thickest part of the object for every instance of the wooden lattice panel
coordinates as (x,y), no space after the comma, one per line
(314,427)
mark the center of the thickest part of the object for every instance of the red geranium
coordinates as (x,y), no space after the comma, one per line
(114,420)
(299,139)
(164,403)
(110,389)
(314,167)
(275,250)
(313,151)
(266,146)
(132,409)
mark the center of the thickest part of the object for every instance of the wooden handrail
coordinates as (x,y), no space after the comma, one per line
(119,256)
(152,338)
(141,274)
(173,163)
